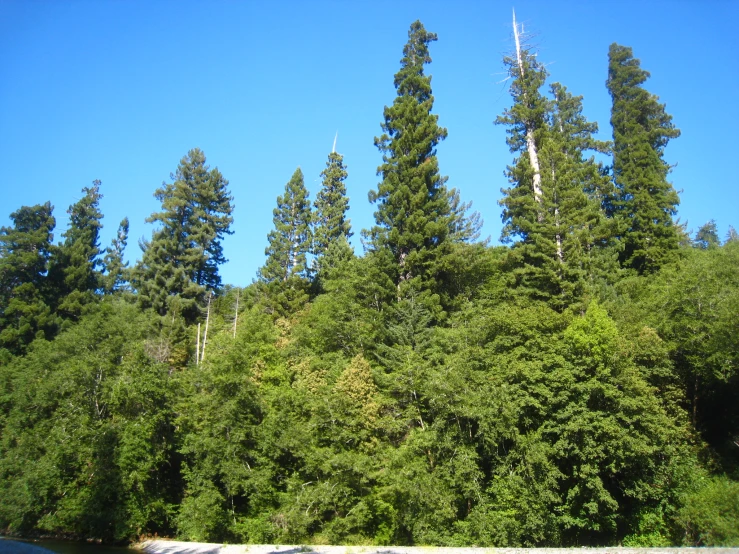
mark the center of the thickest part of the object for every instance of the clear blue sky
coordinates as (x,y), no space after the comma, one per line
(121,90)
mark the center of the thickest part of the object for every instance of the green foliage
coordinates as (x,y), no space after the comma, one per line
(88,435)
(116,276)
(74,267)
(330,224)
(645,201)
(709,515)
(290,241)
(554,209)
(413,216)
(25,250)
(434,391)
(707,236)
(181,260)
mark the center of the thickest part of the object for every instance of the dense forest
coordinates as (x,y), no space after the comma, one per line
(575,386)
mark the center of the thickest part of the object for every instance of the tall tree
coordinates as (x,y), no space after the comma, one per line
(553,208)
(329,220)
(181,260)
(116,270)
(645,200)
(25,250)
(707,236)
(75,264)
(413,212)
(290,241)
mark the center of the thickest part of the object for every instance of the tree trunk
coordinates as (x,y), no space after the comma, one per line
(530,143)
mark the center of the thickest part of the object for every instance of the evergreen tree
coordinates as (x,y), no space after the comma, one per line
(181,260)
(25,250)
(553,208)
(645,200)
(75,264)
(329,221)
(116,270)
(707,236)
(290,241)
(413,212)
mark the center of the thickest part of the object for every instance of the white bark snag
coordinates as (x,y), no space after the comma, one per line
(530,144)
(558,236)
(205,335)
(197,348)
(236,311)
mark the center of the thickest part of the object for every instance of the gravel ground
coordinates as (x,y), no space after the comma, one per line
(175,547)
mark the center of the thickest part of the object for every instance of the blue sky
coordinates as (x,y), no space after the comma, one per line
(121,90)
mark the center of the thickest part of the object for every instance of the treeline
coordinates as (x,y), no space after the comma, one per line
(576,386)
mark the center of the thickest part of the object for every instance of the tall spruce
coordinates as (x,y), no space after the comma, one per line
(25,251)
(645,200)
(330,223)
(413,213)
(181,260)
(290,240)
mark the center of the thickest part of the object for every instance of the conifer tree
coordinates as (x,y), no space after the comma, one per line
(116,269)
(413,214)
(553,210)
(707,236)
(181,260)
(645,200)
(330,223)
(290,241)
(25,250)
(75,264)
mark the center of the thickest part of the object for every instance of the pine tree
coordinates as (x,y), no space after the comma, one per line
(25,250)
(646,201)
(75,264)
(290,241)
(181,260)
(116,270)
(413,214)
(329,220)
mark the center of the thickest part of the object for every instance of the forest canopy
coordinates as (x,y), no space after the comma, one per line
(574,386)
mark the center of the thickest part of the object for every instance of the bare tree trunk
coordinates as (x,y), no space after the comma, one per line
(197,347)
(205,336)
(558,235)
(530,143)
(695,402)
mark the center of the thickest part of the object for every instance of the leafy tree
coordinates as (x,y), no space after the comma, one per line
(116,270)
(645,200)
(710,513)
(87,442)
(181,260)
(25,251)
(290,241)
(693,306)
(413,213)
